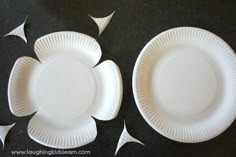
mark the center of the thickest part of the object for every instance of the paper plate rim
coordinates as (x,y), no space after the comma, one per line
(139,105)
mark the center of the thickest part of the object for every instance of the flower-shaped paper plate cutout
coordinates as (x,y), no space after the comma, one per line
(65,88)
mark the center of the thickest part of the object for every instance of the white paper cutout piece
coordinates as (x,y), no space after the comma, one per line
(85,77)
(18,31)
(102,22)
(125,138)
(4,131)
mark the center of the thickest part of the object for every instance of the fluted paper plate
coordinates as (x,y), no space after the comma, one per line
(65,88)
(184,84)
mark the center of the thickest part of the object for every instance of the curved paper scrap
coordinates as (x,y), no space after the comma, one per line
(4,131)
(102,22)
(125,138)
(18,31)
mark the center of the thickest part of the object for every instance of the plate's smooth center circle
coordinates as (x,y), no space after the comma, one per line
(185,83)
(65,88)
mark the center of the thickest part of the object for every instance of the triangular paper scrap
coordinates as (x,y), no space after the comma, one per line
(125,138)
(102,22)
(18,31)
(4,131)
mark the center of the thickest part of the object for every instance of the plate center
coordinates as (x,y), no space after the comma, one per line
(184,83)
(65,88)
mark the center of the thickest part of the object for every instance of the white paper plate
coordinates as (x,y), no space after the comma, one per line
(184,84)
(65,88)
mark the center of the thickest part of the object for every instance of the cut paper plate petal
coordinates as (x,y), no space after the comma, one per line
(125,138)
(19,31)
(80,46)
(50,132)
(109,84)
(4,131)
(21,77)
(64,88)
(102,22)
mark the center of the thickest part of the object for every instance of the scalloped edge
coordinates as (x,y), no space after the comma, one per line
(60,140)
(16,95)
(112,86)
(78,45)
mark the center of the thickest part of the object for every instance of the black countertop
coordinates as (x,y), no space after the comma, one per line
(133,25)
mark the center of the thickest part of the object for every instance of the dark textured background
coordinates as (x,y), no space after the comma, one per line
(133,25)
